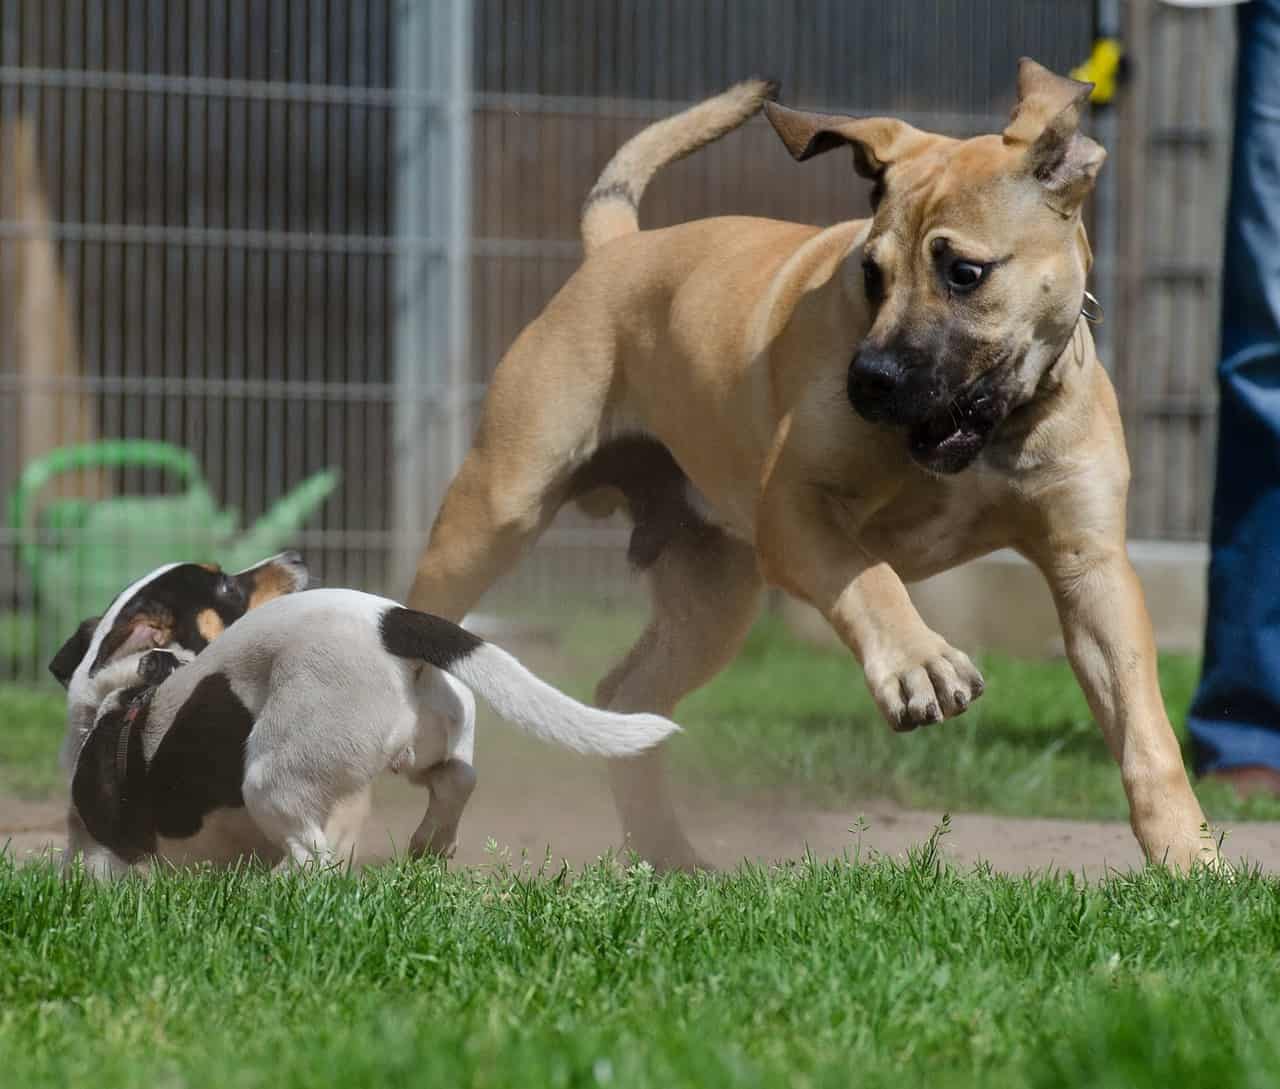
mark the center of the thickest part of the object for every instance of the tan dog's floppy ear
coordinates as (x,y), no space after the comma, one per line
(877,141)
(1047,121)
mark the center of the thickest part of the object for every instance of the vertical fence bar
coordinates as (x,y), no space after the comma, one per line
(432,292)
(458,121)
(412,321)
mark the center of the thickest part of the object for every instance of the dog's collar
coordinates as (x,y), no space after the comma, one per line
(136,710)
(1091,310)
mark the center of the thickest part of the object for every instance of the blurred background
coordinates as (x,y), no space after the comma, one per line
(258,258)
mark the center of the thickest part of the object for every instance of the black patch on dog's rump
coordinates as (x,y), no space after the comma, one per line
(407,633)
(109,786)
(199,764)
(656,491)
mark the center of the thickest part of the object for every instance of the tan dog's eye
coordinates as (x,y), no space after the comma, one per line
(960,274)
(964,276)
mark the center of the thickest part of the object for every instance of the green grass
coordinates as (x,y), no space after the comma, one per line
(786,715)
(877,973)
(813,975)
(31,727)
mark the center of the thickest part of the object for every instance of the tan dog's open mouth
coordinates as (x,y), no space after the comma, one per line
(948,440)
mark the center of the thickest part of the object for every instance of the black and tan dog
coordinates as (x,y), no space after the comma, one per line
(181,607)
(265,743)
(833,411)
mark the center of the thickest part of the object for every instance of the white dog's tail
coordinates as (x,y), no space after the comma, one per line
(515,693)
(612,207)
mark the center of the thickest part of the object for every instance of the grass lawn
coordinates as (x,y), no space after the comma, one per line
(813,975)
(816,974)
(789,715)
(32,722)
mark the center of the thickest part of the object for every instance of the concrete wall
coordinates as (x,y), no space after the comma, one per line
(1001,602)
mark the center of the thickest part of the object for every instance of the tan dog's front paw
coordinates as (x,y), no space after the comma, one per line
(1182,846)
(924,685)
(1183,854)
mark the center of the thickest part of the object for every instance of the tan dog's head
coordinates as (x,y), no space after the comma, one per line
(183,606)
(974,269)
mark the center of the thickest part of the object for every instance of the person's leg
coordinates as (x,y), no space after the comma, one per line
(1235,716)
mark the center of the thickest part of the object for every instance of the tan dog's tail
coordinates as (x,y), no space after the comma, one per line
(611,208)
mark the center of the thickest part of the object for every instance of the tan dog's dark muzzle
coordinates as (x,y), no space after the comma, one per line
(875,383)
(949,438)
(906,387)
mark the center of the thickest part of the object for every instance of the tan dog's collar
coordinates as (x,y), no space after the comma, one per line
(1091,310)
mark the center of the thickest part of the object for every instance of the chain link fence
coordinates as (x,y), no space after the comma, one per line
(286,241)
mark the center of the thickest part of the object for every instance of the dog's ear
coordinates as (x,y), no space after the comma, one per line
(73,651)
(1046,121)
(283,573)
(877,142)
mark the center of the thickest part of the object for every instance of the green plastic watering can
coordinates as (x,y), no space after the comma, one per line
(86,551)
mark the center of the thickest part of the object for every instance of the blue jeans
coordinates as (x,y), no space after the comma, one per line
(1235,716)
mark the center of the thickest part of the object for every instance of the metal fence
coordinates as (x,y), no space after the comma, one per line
(289,236)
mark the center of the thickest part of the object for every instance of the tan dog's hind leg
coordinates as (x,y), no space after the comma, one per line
(1112,650)
(705,594)
(476,539)
(513,480)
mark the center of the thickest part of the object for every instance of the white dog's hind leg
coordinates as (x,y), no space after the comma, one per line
(304,844)
(446,704)
(451,784)
(289,819)
(307,845)
(346,822)
(312,756)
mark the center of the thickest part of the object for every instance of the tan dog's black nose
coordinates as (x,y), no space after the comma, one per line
(874,379)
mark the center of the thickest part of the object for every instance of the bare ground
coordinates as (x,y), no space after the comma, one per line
(531,799)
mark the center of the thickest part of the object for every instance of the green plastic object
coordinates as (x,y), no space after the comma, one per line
(85,551)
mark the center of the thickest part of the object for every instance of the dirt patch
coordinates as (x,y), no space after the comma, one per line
(531,798)
(28,827)
(580,825)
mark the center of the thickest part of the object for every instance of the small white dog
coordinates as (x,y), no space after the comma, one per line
(266,743)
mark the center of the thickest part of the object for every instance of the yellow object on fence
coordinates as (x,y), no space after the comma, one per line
(1102,69)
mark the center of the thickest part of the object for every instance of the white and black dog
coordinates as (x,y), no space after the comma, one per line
(264,741)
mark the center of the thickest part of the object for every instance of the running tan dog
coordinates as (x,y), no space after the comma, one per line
(833,411)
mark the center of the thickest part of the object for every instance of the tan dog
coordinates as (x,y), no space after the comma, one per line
(833,411)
